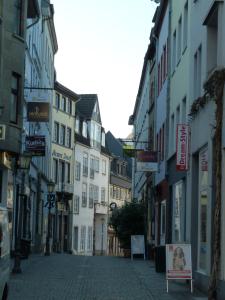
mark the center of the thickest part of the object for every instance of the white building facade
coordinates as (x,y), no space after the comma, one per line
(91,182)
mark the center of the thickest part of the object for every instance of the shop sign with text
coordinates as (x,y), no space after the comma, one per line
(147,161)
(38,111)
(35,145)
(182,147)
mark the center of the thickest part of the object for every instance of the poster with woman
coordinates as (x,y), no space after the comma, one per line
(178,261)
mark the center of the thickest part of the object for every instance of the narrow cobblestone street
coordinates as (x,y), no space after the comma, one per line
(63,276)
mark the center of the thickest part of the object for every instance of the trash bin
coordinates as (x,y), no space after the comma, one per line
(160,259)
(25,248)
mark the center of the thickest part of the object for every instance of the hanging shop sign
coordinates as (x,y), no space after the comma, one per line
(178,262)
(182,147)
(147,161)
(35,145)
(38,112)
(129,150)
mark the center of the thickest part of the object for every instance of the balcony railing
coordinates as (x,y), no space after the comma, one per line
(64,187)
(100,208)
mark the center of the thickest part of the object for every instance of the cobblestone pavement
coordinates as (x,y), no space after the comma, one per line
(64,276)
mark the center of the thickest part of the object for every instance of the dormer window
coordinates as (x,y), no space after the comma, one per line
(77,125)
(103,139)
(84,129)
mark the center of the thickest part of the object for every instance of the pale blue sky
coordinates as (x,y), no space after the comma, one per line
(102,44)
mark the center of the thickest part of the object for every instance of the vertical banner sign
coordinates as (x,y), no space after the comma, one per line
(182,147)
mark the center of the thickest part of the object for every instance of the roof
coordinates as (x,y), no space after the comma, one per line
(65,91)
(86,104)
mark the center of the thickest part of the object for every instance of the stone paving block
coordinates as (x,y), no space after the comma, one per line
(68,277)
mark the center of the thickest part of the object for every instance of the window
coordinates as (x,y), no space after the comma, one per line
(82,238)
(162,143)
(103,166)
(67,172)
(61,171)
(84,129)
(203,248)
(178,190)
(63,103)
(103,139)
(18,17)
(68,137)
(172,134)
(178,115)
(62,134)
(163,222)
(57,101)
(77,170)
(14,97)
(183,111)
(75,238)
(159,76)
(55,170)
(197,72)
(114,192)
(77,125)
(85,164)
(164,63)
(76,204)
(185,26)
(56,132)
(174,55)
(92,170)
(84,195)
(103,195)
(96,193)
(90,238)
(179,41)
(91,195)
(69,106)
(96,162)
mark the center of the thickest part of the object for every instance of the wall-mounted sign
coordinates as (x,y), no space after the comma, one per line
(2,132)
(182,147)
(38,112)
(35,145)
(147,161)
(129,150)
(61,156)
(178,262)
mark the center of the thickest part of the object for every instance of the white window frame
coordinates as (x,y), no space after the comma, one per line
(76,206)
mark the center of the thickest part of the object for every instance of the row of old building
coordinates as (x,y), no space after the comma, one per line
(175,116)
(59,172)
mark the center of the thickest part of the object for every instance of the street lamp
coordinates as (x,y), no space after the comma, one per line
(24,164)
(50,203)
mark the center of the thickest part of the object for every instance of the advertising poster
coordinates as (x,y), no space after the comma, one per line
(178,261)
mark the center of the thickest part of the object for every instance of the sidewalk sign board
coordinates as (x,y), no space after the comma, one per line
(178,263)
(137,245)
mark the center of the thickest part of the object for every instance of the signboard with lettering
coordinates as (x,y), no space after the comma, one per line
(147,161)
(35,145)
(178,262)
(182,147)
(38,111)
